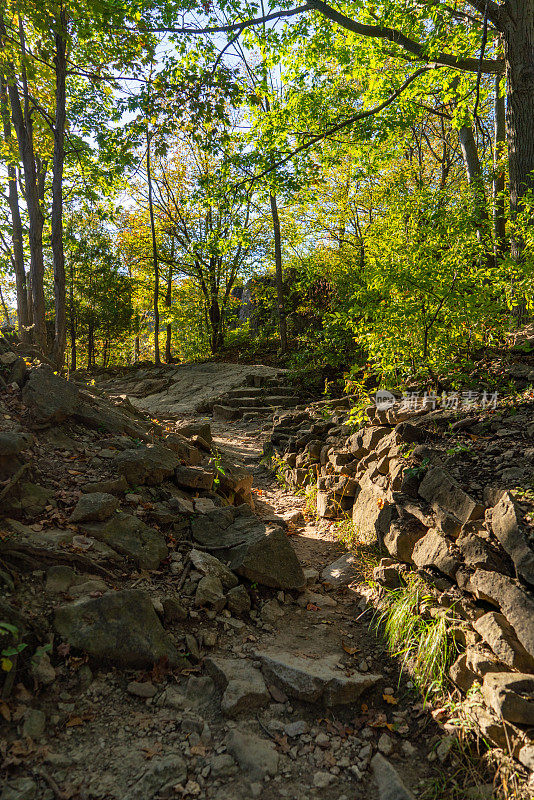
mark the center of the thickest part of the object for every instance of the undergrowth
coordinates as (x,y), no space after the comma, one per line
(423,644)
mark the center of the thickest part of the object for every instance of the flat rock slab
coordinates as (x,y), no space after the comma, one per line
(314,680)
(120,627)
(243,685)
(194,386)
(340,572)
(130,536)
(256,757)
(390,786)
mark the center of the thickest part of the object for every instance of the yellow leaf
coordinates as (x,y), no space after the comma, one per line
(7,664)
(390,699)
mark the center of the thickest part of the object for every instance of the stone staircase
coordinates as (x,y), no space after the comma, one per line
(261,399)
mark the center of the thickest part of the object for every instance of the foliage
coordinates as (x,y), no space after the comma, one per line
(423,643)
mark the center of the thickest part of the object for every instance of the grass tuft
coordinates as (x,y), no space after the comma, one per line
(423,644)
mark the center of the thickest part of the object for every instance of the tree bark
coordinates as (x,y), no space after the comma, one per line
(16,224)
(60,337)
(499,147)
(281,312)
(24,129)
(168,302)
(157,359)
(5,308)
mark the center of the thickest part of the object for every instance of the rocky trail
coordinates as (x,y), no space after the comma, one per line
(193,630)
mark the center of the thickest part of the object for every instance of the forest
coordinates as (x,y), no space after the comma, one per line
(360,174)
(266,400)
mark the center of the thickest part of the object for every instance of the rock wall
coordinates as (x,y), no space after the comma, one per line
(438,492)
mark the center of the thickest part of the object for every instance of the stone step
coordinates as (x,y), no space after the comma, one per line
(258,391)
(259,402)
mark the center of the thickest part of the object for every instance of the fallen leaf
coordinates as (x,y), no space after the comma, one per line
(390,699)
(350,649)
(73,722)
(198,750)
(153,750)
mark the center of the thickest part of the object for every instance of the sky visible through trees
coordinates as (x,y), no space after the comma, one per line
(361,173)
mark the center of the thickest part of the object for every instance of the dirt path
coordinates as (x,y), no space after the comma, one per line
(126,735)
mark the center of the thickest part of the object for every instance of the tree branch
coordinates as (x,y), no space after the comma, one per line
(361,115)
(397,37)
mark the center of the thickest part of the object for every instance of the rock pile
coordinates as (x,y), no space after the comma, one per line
(140,497)
(443,494)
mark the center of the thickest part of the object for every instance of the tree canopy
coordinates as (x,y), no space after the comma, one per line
(348,183)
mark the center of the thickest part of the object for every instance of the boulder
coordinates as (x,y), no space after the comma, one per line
(314,680)
(26,498)
(120,627)
(243,685)
(477,553)
(189,429)
(94,507)
(461,674)
(49,397)
(506,527)
(235,482)
(500,636)
(238,600)
(389,574)
(150,465)
(194,478)
(209,565)
(511,696)
(434,550)
(113,486)
(130,536)
(440,490)
(256,757)
(14,442)
(210,593)
(268,558)
(515,603)
(182,449)
(401,538)
(372,513)
(481,660)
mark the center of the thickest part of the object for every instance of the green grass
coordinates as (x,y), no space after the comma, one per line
(423,644)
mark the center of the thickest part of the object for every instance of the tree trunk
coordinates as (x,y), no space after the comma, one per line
(16,225)
(215,323)
(60,337)
(24,130)
(281,313)
(168,302)
(519,55)
(475,180)
(499,146)
(73,351)
(5,308)
(157,359)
